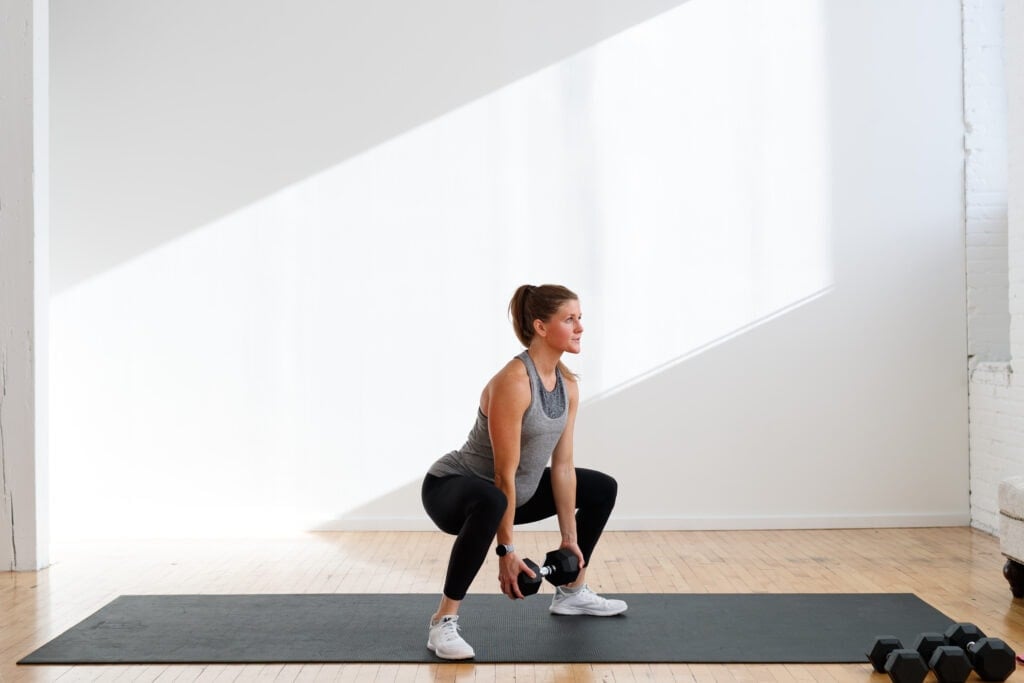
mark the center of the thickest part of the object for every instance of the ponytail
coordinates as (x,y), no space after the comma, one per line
(519,311)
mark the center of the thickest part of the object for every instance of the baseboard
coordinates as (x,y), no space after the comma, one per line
(879,521)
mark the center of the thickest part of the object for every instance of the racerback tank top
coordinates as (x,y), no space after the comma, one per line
(539,436)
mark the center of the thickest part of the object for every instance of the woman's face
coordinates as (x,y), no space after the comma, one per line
(564,329)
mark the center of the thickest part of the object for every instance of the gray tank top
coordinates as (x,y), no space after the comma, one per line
(541,431)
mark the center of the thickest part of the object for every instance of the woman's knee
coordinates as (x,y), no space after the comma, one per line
(602,489)
(491,502)
(611,488)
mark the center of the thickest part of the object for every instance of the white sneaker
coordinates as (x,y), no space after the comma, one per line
(444,639)
(585,601)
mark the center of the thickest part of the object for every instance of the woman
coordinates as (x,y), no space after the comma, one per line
(499,477)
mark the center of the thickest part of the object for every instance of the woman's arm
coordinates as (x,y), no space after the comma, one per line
(507,399)
(563,477)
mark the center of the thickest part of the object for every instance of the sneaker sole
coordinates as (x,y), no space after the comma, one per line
(450,658)
(584,613)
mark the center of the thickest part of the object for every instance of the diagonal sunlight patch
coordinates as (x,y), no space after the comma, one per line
(307,354)
(695,352)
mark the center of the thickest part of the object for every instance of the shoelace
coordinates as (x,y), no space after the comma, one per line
(586,595)
(449,629)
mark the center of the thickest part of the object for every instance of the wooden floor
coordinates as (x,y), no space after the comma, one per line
(957,570)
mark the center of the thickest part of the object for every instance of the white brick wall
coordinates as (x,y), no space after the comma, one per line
(995,248)
(997,437)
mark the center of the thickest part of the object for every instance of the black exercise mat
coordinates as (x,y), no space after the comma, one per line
(393,628)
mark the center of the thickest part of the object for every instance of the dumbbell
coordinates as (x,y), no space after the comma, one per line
(880,651)
(560,567)
(951,656)
(991,658)
(905,665)
(884,645)
(950,664)
(910,665)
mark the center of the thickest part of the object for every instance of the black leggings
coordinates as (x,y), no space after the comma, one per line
(471,509)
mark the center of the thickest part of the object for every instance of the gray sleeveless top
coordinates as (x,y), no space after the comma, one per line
(541,431)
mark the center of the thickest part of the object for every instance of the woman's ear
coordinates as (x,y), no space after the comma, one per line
(539,327)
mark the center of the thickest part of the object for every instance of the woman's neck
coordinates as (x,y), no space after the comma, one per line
(545,359)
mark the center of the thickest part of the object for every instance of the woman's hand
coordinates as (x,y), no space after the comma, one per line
(573,548)
(509,567)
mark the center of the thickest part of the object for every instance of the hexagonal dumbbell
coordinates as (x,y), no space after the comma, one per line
(560,567)
(880,650)
(950,664)
(906,666)
(991,658)
(926,644)
(962,633)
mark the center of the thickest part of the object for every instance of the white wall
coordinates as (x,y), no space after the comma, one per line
(284,254)
(197,109)
(992,430)
(849,410)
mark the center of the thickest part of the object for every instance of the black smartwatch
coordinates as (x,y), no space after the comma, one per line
(504,550)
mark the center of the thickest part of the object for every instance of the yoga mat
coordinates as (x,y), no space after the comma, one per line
(392,628)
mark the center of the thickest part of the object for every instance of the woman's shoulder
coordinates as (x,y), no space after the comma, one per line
(510,383)
(513,375)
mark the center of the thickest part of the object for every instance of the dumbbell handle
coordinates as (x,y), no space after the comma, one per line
(546,570)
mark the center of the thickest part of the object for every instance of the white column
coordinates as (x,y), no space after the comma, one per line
(1014,37)
(24,283)
(988,313)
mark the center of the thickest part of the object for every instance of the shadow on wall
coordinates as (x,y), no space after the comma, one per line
(166,118)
